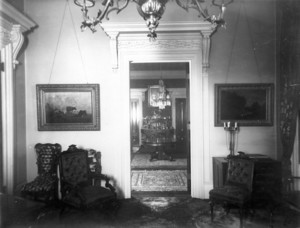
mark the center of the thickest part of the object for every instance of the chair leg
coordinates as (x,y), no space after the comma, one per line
(226,208)
(211,203)
(241,217)
(271,219)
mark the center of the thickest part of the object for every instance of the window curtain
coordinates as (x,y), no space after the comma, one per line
(289,77)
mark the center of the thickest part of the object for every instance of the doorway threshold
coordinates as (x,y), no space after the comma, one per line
(141,194)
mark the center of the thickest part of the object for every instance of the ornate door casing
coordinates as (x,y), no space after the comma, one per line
(12,26)
(178,42)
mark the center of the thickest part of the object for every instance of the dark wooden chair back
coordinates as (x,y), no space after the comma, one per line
(81,179)
(240,172)
(44,186)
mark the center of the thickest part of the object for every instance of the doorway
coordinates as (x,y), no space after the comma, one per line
(1,146)
(159,132)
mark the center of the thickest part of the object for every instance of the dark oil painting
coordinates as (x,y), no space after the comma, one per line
(68,107)
(65,107)
(247,104)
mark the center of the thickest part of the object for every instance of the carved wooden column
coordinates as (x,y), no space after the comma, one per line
(12,26)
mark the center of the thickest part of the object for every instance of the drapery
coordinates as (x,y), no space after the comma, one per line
(289,77)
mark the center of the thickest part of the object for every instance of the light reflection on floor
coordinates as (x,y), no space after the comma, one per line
(159,203)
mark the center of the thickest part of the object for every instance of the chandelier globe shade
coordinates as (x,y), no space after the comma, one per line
(151,11)
(85,3)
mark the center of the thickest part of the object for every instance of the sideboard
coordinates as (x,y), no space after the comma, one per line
(266,179)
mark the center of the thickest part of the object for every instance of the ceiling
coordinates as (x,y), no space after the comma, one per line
(164,70)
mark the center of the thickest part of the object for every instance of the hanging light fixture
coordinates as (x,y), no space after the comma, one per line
(162,97)
(150,10)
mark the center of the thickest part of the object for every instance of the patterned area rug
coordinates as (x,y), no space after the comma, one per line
(142,161)
(159,180)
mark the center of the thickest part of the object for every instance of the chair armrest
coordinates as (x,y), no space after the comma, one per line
(105,178)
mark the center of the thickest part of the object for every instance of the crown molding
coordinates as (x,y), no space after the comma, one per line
(171,35)
(13,24)
(11,14)
(124,27)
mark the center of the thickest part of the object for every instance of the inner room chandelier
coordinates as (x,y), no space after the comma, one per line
(150,10)
(162,98)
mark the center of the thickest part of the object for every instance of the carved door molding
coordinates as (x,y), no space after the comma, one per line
(12,26)
(176,42)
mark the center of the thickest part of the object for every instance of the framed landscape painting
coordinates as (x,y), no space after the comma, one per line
(68,107)
(246,104)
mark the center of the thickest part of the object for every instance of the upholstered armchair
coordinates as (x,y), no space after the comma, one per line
(238,187)
(291,198)
(44,186)
(81,178)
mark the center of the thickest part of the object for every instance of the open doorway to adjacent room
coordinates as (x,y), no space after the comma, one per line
(159,128)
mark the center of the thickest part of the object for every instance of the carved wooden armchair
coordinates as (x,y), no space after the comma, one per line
(44,186)
(80,180)
(237,190)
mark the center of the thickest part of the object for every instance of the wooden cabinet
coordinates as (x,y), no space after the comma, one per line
(219,171)
(266,179)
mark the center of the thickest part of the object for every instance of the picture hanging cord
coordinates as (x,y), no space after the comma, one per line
(78,46)
(59,36)
(252,43)
(63,18)
(232,46)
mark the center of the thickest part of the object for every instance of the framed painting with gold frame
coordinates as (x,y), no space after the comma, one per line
(68,107)
(247,104)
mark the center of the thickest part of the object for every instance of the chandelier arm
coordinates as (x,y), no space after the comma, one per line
(101,14)
(187,6)
(85,14)
(118,9)
(222,7)
(203,12)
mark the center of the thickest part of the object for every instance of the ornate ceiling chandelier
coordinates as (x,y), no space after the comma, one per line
(150,10)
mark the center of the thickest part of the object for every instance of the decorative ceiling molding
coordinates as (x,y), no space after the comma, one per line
(16,17)
(12,26)
(175,35)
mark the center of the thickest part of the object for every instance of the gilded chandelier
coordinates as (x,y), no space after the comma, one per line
(162,98)
(150,10)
